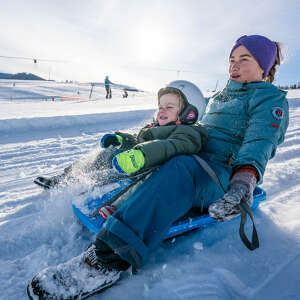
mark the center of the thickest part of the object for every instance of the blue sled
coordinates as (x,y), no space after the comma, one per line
(193,220)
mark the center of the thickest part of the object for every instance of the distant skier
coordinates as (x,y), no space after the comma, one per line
(107,84)
(125,94)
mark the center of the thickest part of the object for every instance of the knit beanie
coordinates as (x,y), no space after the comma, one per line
(262,49)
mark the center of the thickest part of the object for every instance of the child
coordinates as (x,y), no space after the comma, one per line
(154,144)
(163,136)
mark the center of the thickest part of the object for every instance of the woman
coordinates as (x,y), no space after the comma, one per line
(245,122)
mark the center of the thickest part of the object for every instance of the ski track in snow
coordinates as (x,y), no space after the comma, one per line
(38,227)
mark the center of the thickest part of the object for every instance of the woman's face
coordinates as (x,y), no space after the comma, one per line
(243,67)
(168,109)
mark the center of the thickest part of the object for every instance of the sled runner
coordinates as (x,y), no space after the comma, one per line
(87,212)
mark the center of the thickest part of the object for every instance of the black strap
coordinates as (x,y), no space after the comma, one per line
(136,178)
(243,206)
(245,209)
(209,171)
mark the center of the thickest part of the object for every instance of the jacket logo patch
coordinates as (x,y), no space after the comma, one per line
(277,113)
(275,125)
(191,115)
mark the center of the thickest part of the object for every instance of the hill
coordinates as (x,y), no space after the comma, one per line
(38,228)
(20,76)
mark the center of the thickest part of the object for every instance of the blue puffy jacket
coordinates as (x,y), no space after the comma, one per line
(245,123)
(107,82)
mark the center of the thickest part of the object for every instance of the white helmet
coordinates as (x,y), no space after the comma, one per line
(192,93)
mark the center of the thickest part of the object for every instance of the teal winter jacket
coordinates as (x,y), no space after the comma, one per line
(245,124)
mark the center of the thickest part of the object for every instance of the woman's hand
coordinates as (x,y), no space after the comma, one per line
(241,188)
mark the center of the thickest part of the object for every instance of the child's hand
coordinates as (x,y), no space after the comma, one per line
(128,140)
(129,162)
(110,140)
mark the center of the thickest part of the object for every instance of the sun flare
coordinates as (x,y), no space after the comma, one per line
(151,44)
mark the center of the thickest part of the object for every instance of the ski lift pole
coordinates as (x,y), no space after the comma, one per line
(90,96)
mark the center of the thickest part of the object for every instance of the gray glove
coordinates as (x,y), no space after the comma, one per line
(240,189)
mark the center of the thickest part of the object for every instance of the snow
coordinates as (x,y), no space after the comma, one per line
(38,228)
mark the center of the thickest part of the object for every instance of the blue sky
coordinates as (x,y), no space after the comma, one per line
(140,42)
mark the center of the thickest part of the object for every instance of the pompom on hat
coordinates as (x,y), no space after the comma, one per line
(262,49)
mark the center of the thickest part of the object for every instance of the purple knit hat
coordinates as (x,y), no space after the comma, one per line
(262,49)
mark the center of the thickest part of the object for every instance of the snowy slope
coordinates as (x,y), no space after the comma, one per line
(38,227)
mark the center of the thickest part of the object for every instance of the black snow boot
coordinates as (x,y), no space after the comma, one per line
(78,278)
(48,183)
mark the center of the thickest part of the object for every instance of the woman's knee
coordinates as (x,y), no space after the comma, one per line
(182,162)
(180,159)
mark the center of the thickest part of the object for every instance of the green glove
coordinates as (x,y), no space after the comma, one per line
(120,139)
(129,162)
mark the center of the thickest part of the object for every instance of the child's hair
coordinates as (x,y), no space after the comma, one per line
(174,91)
(271,76)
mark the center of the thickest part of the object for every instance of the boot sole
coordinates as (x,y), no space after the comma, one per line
(33,296)
(39,183)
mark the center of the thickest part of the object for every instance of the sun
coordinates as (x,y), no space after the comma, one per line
(151,44)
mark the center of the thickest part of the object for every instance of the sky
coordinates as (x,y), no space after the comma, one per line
(142,43)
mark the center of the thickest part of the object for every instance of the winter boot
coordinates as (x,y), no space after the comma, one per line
(48,183)
(78,278)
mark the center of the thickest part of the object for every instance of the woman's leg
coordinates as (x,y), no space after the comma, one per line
(142,222)
(128,236)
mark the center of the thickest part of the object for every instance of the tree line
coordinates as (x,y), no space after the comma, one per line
(289,87)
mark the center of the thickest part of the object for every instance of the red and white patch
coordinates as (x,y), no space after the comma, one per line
(106,211)
(191,115)
(277,113)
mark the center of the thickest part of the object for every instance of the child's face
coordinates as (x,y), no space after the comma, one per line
(168,109)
